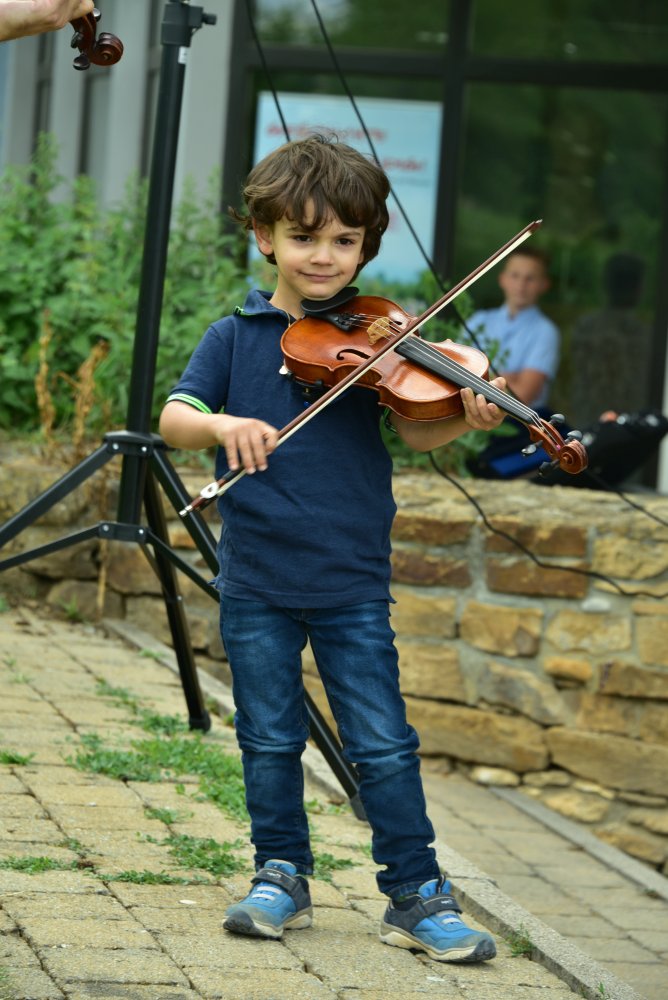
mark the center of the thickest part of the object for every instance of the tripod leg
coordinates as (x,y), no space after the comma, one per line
(179,497)
(198,716)
(57,491)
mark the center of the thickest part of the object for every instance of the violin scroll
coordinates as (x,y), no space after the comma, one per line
(103,50)
(567,454)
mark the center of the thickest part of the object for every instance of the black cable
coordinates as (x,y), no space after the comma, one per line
(534,558)
(265,67)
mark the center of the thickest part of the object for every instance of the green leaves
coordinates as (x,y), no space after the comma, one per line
(70,265)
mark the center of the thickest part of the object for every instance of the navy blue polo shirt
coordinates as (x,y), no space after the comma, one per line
(313,530)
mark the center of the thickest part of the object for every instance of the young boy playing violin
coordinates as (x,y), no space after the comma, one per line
(305,556)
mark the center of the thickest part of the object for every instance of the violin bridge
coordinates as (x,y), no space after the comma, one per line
(379,330)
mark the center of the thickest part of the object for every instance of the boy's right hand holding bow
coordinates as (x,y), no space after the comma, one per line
(247,441)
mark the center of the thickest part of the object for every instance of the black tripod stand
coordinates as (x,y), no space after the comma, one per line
(144,459)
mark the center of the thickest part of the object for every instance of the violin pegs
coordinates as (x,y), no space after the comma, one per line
(529,450)
(556,419)
(547,467)
(574,436)
(81,62)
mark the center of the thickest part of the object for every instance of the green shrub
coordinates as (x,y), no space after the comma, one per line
(69,277)
(69,284)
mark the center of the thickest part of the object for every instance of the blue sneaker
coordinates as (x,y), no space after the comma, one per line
(428,921)
(279,899)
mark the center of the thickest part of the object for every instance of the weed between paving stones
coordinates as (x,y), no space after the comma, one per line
(172,751)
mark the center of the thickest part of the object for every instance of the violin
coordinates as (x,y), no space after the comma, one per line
(373,342)
(103,50)
(418,380)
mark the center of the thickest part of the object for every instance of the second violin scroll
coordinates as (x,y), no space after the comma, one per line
(103,50)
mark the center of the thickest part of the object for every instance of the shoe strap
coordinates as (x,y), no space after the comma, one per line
(293,885)
(435,904)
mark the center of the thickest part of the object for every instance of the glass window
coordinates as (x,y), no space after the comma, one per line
(590,163)
(610,30)
(390,24)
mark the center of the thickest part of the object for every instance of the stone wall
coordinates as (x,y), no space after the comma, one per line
(532,672)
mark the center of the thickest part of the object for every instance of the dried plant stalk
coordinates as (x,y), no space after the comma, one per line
(45,405)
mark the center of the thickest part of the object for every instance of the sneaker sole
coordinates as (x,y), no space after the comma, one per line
(480,952)
(242,923)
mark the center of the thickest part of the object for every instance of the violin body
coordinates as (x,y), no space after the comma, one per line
(316,352)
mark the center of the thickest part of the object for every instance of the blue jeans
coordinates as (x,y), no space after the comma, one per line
(357,660)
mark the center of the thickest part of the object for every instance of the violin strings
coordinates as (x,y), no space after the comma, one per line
(462,376)
(442,365)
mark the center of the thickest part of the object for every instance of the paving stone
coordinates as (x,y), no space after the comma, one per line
(101,965)
(24,806)
(185,920)
(262,984)
(60,933)
(134,991)
(230,951)
(97,905)
(33,982)
(649,980)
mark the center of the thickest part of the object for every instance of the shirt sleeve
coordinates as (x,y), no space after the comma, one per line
(542,352)
(205,381)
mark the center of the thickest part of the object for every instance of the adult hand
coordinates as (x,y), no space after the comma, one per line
(34,17)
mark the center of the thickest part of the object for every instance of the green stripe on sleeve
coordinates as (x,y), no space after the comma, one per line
(183,397)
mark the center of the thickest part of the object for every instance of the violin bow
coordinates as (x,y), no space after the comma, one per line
(215,489)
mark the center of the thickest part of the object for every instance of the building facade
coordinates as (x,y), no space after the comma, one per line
(486,115)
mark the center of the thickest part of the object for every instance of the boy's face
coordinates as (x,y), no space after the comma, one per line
(523,281)
(311,265)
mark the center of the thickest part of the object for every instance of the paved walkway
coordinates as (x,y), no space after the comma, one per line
(120,848)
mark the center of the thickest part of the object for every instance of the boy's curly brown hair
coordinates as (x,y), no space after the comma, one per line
(322,176)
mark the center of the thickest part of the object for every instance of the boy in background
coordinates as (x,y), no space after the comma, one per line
(527,341)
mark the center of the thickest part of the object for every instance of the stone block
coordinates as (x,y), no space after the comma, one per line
(78,599)
(577,805)
(428,613)
(432,670)
(613,761)
(480,737)
(590,632)
(413,566)
(509,631)
(639,843)
(568,668)
(129,572)
(523,692)
(633,681)
(654,820)
(629,558)
(430,529)
(520,576)
(603,714)
(541,539)
(653,641)
(77,561)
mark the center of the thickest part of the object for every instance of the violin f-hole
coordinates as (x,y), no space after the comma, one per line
(344,352)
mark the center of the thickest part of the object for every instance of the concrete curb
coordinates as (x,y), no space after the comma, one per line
(476,889)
